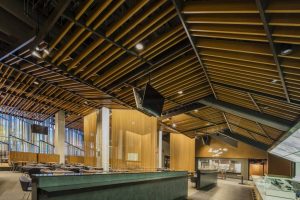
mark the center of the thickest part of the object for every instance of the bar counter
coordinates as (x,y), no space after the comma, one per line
(117,186)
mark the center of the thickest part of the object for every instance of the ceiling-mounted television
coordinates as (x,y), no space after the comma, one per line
(149,100)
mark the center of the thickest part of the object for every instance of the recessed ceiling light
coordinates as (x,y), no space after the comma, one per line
(180,92)
(36,54)
(36,82)
(173,125)
(139,46)
(266,107)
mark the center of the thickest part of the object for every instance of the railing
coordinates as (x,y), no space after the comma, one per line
(73,150)
(34,148)
(49,147)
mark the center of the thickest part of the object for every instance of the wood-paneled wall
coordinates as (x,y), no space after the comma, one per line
(182,152)
(279,166)
(90,139)
(75,159)
(242,151)
(22,156)
(46,158)
(133,132)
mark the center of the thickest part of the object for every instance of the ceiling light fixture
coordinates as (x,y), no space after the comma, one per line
(285,49)
(46,52)
(196,110)
(266,107)
(36,82)
(274,81)
(173,125)
(36,54)
(139,46)
(180,92)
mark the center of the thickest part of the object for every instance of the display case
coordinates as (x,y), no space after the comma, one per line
(275,188)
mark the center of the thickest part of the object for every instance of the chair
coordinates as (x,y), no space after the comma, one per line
(12,166)
(34,171)
(26,186)
(75,170)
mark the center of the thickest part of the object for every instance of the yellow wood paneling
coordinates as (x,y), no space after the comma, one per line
(133,133)
(74,159)
(90,139)
(22,156)
(45,158)
(242,151)
(182,152)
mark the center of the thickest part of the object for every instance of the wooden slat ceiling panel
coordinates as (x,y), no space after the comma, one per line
(230,51)
(252,127)
(266,105)
(93,62)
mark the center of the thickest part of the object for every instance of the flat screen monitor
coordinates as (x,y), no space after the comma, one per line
(152,101)
(39,129)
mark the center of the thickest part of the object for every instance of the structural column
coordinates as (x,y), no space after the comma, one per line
(105,138)
(102,138)
(59,137)
(160,148)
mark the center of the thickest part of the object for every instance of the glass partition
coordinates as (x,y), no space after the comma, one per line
(16,135)
(16,132)
(74,142)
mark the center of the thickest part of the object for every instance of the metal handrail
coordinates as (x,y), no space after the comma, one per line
(4,143)
(74,146)
(24,140)
(49,144)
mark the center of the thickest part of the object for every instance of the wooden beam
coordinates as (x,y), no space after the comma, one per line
(263,18)
(176,4)
(246,113)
